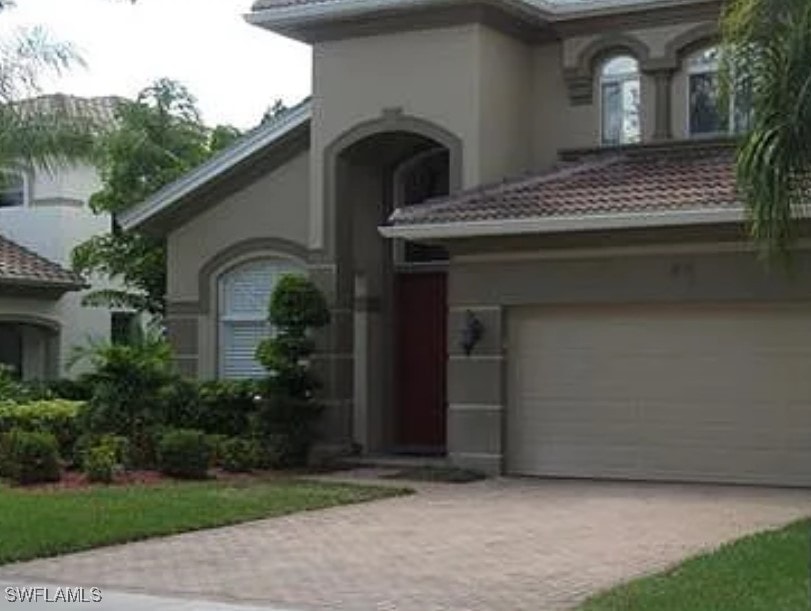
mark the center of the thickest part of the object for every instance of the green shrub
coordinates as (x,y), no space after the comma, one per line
(239,455)
(13,389)
(184,453)
(29,458)
(287,418)
(120,447)
(128,382)
(215,445)
(58,417)
(64,388)
(227,407)
(215,407)
(100,463)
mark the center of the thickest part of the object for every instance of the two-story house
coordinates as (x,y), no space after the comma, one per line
(524,215)
(44,214)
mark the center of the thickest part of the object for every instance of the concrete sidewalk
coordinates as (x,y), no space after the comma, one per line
(121,601)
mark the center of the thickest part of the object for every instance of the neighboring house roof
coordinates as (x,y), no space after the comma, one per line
(261,139)
(20,266)
(99,110)
(640,186)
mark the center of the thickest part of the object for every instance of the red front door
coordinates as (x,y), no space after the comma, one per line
(421,361)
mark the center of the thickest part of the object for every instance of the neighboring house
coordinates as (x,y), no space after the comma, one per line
(581,209)
(43,216)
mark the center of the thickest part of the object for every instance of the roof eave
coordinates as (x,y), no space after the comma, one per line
(561,224)
(303,21)
(48,285)
(307,22)
(186,186)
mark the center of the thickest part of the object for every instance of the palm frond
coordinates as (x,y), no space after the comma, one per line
(767,47)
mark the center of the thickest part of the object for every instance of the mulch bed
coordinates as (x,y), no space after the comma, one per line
(76,480)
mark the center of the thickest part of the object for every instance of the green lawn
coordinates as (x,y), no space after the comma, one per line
(46,523)
(764,572)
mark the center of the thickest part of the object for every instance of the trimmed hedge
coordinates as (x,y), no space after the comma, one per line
(184,453)
(57,417)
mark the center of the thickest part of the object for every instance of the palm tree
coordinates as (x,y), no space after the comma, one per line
(767,56)
(33,134)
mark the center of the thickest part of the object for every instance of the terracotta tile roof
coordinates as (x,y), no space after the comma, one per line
(99,110)
(678,178)
(21,266)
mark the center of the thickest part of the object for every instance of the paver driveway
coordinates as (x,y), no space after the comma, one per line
(501,545)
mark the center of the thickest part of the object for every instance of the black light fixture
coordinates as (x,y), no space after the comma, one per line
(471,332)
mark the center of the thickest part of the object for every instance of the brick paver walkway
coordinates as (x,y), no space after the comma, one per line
(495,545)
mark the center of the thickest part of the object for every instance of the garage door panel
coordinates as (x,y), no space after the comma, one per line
(701,393)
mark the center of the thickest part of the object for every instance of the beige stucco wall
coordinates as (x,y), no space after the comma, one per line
(242,226)
(506,69)
(432,75)
(275,205)
(493,284)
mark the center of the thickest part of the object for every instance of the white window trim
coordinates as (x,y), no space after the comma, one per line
(26,186)
(617,78)
(288,264)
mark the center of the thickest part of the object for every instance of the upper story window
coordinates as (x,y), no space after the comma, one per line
(619,101)
(13,189)
(707,113)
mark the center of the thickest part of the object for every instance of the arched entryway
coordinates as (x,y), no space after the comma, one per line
(397,291)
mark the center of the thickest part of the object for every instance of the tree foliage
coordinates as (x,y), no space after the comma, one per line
(33,134)
(767,53)
(158,138)
(274,111)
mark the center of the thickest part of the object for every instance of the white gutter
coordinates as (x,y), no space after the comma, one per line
(240,151)
(562,224)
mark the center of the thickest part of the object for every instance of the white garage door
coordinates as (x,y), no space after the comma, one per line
(710,393)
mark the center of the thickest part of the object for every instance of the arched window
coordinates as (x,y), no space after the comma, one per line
(619,101)
(13,188)
(707,114)
(244,296)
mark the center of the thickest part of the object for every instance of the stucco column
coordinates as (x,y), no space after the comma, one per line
(662,78)
(476,390)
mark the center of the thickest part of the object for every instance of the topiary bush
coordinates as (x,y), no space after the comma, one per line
(29,458)
(184,453)
(58,417)
(239,455)
(288,415)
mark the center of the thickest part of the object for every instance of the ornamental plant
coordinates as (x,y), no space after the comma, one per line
(288,413)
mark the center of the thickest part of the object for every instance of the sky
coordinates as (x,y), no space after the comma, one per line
(235,70)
